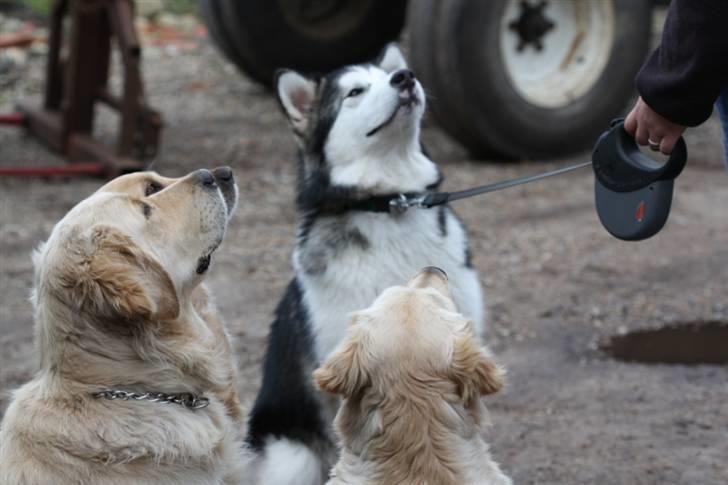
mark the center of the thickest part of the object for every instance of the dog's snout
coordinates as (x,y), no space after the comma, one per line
(435,271)
(223,174)
(403,79)
(205,177)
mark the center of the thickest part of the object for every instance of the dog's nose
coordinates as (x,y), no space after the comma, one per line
(436,271)
(223,174)
(403,79)
(431,277)
(205,177)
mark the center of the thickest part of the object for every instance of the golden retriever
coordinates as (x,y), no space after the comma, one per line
(120,308)
(412,375)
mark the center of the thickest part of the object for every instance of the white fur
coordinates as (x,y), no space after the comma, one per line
(355,278)
(289,463)
(388,160)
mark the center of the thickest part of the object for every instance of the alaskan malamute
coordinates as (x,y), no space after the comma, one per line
(358,129)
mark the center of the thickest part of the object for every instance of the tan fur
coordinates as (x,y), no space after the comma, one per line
(412,375)
(118,304)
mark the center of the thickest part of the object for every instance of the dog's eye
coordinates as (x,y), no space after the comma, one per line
(152,188)
(355,92)
(146,209)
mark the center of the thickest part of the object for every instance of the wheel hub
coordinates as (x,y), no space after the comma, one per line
(531,25)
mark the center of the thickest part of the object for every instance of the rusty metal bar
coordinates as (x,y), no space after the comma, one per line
(75,84)
(54,71)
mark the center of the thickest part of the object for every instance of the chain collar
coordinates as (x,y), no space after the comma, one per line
(184,399)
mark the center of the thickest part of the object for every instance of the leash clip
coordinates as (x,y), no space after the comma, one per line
(402,202)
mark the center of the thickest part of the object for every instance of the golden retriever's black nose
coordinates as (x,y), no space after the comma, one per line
(435,270)
(223,174)
(205,178)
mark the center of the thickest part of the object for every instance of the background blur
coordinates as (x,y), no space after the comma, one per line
(558,287)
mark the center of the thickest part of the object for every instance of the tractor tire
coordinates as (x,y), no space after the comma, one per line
(528,78)
(261,36)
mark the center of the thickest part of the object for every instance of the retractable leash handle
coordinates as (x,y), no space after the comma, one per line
(633,193)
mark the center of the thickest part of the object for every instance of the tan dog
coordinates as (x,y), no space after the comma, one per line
(119,307)
(412,374)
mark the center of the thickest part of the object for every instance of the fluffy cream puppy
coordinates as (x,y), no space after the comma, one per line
(120,307)
(412,375)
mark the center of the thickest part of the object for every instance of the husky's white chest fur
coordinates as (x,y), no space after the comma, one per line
(345,262)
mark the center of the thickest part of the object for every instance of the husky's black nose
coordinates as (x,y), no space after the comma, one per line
(223,174)
(403,79)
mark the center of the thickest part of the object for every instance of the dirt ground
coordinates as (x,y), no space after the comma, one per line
(557,285)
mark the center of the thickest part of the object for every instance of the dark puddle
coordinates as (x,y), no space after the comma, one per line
(685,343)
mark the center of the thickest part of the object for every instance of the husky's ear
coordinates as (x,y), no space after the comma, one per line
(472,369)
(296,94)
(392,59)
(344,372)
(117,278)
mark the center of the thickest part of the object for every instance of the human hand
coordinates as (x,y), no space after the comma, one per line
(649,128)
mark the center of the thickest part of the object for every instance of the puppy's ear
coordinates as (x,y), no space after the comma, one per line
(296,94)
(343,372)
(472,370)
(392,58)
(119,279)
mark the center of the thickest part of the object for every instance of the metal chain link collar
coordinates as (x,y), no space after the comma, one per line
(184,399)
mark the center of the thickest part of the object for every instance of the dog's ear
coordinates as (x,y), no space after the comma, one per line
(392,58)
(472,369)
(296,94)
(117,278)
(344,371)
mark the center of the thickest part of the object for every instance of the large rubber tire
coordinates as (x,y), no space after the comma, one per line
(212,16)
(458,50)
(261,36)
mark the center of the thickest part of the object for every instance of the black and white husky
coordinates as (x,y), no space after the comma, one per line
(358,130)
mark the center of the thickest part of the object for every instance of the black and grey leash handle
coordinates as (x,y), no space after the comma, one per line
(620,165)
(632,192)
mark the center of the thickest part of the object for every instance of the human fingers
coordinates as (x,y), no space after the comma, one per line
(667,144)
(630,122)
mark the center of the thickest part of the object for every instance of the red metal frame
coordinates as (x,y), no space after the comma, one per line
(67,170)
(76,79)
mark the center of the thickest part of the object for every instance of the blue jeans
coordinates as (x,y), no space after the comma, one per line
(722,107)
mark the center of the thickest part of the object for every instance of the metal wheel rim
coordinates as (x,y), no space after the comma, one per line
(574,51)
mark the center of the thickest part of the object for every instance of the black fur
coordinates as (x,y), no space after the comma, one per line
(442,220)
(286,405)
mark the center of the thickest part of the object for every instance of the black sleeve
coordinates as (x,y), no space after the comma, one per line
(682,79)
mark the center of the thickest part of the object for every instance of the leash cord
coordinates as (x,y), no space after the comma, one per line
(440,198)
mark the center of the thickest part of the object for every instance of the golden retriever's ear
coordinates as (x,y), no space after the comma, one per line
(343,372)
(473,371)
(121,279)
